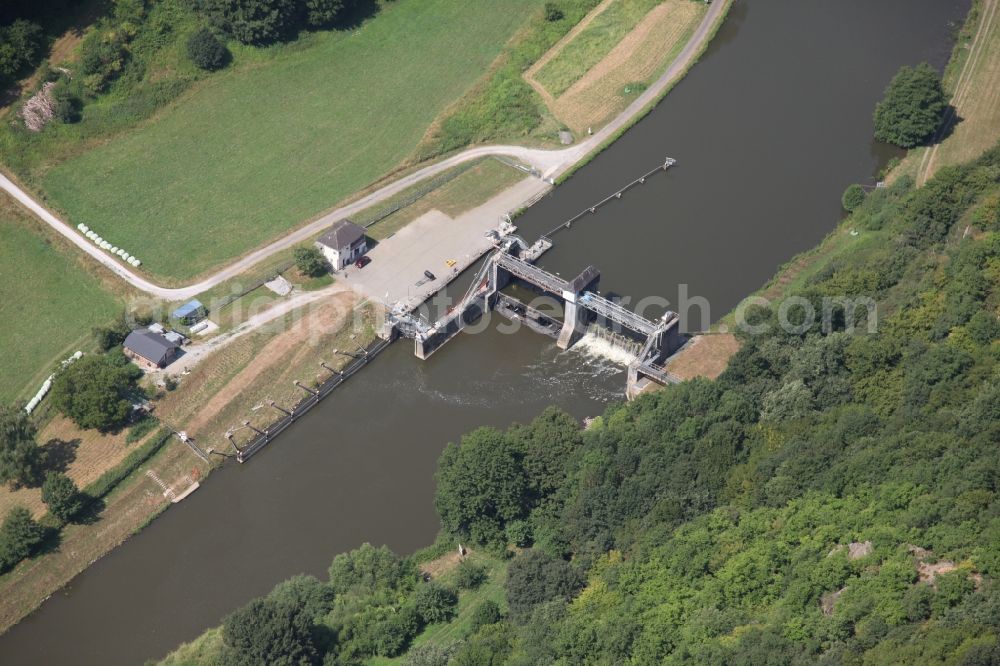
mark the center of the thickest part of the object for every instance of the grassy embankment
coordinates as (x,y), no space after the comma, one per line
(258,148)
(623,46)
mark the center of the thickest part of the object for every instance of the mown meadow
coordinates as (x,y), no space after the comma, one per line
(48,302)
(283,134)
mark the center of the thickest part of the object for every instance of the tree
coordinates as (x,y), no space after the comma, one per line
(435,603)
(20,45)
(62,496)
(853,197)
(322,13)
(19,536)
(535,577)
(206,51)
(912,108)
(310,261)
(266,632)
(552,12)
(21,458)
(255,22)
(481,486)
(94,391)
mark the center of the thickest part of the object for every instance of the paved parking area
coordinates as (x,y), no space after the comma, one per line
(396,272)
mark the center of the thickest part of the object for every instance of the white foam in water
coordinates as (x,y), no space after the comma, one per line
(591,345)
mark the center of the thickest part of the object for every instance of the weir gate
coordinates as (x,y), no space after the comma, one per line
(582,307)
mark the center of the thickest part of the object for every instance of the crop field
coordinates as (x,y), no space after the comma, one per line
(587,79)
(256,150)
(48,303)
(587,48)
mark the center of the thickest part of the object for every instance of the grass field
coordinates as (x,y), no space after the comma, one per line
(256,150)
(593,43)
(48,303)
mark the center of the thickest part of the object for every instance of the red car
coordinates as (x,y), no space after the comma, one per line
(362,261)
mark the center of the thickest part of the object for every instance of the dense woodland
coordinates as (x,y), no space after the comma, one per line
(831,498)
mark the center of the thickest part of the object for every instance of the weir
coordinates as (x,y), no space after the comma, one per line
(582,306)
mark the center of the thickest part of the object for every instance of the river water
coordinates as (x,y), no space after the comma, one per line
(767,129)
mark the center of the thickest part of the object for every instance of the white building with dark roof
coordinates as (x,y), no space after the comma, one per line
(342,244)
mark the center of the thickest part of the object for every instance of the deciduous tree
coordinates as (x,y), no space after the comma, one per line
(21,458)
(912,108)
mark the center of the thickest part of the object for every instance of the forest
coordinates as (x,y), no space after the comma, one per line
(831,498)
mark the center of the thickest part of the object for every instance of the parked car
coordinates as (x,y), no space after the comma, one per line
(362,261)
(429,275)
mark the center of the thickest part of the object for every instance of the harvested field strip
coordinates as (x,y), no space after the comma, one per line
(592,44)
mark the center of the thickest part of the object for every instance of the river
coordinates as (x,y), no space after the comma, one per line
(767,129)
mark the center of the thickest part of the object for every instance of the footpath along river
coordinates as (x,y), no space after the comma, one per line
(767,129)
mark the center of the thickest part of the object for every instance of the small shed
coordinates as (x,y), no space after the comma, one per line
(190,313)
(343,243)
(149,350)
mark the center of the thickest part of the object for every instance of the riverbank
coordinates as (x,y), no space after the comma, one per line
(259,523)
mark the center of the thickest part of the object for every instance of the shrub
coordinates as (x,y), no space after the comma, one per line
(552,12)
(487,612)
(435,603)
(912,108)
(19,537)
(310,261)
(62,496)
(470,575)
(368,570)
(67,103)
(853,197)
(206,51)
(102,57)
(429,654)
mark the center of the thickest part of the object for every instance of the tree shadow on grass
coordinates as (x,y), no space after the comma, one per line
(359,13)
(91,512)
(59,454)
(951,121)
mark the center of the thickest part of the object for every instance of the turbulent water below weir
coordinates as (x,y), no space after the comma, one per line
(767,129)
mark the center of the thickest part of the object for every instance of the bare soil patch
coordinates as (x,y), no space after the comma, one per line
(706,356)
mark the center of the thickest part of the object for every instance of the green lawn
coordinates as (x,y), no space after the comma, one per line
(48,304)
(256,150)
(592,44)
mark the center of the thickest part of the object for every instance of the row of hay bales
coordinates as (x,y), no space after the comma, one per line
(106,245)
